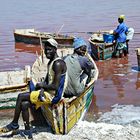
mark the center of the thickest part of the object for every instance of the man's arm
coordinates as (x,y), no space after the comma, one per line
(116,32)
(96,71)
(57,68)
(41,84)
(86,66)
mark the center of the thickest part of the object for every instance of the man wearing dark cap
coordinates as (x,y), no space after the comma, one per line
(55,83)
(78,68)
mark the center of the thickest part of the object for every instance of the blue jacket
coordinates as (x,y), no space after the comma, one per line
(121,32)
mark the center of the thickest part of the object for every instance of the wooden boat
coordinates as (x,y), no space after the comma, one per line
(12,83)
(31,36)
(138,57)
(63,117)
(101,50)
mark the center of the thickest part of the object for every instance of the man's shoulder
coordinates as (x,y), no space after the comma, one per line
(59,60)
(59,65)
(71,56)
(84,58)
(66,56)
(84,61)
(123,25)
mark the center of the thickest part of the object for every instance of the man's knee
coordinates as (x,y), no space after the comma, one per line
(23,96)
(25,105)
(19,96)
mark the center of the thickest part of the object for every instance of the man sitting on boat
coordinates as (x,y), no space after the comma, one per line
(120,37)
(48,92)
(79,69)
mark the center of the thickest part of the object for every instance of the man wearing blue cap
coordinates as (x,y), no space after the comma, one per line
(78,68)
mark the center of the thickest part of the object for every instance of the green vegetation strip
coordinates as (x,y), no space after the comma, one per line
(8,100)
(3,104)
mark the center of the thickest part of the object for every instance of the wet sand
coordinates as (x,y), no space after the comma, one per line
(121,123)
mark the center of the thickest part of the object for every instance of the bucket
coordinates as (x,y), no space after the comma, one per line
(108,38)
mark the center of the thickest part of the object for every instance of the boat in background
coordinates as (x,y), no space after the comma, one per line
(102,46)
(12,83)
(63,117)
(28,48)
(31,36)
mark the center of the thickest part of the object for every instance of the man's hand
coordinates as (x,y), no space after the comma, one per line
(53,106)
(41,96)
(39,86)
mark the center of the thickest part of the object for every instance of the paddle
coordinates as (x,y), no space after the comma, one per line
(60,29)
(41,48)
(96,32)
(92,32)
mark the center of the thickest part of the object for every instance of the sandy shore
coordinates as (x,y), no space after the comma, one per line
(122,123)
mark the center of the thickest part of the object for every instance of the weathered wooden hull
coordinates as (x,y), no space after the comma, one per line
(138,57)
(12,83)
(30,36)
(101,51)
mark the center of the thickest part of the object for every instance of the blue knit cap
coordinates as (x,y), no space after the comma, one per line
(78,42)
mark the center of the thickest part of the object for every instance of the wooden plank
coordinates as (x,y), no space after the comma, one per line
(71,123)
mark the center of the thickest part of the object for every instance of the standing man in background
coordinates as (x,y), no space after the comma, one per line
(120,37)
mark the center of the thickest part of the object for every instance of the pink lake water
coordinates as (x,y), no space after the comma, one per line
(118,81)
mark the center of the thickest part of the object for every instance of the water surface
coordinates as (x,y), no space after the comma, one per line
(118,81)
